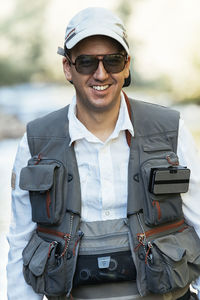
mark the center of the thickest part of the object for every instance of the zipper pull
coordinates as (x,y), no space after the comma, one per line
(51,246)
(38,159)
(142,241)
(66,237)
(148,255)
(142,238)
(80,235)
(172,159)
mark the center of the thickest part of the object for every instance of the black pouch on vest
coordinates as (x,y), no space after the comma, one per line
(160,207)
(104,253)
(99,268)
(44,180)
(171,180)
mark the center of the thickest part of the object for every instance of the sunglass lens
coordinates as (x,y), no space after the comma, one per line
(86,64)
(114,63)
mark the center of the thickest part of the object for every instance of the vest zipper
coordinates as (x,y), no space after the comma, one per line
(162,228)
(52,232)
(147,245)
(65,236)
(69,236)
(39,158)
(48,203)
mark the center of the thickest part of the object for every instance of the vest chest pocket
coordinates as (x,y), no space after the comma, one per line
(44,181)
(162,208)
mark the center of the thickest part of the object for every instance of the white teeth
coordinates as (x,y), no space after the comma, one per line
(100,87)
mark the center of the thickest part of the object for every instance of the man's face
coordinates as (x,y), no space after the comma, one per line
(99,91)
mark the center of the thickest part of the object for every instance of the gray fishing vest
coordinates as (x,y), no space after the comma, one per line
(164,249)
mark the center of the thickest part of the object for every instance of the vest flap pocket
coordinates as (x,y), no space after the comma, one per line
(45,182)
(31,247)
(37,178)
(184,243)
(173,261)
(169,247)
(39,259)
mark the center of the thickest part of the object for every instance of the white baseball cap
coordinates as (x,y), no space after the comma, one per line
(94,21)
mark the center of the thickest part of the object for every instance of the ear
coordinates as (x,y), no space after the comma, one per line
(127,68)
(67,69)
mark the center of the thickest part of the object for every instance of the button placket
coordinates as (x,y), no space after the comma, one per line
(107,180)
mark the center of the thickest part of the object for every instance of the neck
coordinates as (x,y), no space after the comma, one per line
(101,124)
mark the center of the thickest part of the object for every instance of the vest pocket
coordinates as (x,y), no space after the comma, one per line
(48,266)
(173,261)
(41,262)
(159,209)
(44,181)
(35,256)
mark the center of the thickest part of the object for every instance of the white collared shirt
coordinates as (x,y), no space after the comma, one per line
(103,168)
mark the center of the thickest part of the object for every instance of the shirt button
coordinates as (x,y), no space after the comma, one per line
(107,213)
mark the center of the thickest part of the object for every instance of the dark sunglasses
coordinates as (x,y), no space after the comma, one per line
(88,64)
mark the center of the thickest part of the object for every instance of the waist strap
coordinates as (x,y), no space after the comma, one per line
(121,291)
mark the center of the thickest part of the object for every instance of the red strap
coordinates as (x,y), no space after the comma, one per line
(157,204)
(53,232)
(128,135)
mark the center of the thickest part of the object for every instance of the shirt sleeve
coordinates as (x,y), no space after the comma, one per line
(20,231)
(189,156)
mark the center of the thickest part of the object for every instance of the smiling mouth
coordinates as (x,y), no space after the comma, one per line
(100,87)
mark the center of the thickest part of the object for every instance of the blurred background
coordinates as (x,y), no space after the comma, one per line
(164,37)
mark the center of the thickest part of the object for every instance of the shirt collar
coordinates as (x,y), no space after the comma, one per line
(78,131)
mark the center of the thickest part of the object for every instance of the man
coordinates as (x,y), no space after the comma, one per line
(84,179)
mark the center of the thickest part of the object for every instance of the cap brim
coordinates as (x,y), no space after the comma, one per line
(95,31)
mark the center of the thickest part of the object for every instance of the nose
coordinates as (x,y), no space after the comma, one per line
(100,73)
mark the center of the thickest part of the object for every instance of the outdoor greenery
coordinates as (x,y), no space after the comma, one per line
(24,51)
(22,42)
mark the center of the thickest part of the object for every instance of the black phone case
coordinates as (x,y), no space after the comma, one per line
(170,180)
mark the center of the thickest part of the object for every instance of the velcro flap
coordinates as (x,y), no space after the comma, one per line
(31,247)
(39,259)
(37,177)
(168,245)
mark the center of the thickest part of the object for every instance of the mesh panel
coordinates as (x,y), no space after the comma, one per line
(120,267)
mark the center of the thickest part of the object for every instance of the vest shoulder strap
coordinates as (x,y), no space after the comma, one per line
(52,126)
(151,119)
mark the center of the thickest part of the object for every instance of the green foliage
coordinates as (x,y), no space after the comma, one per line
(23,42)
(124,10)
